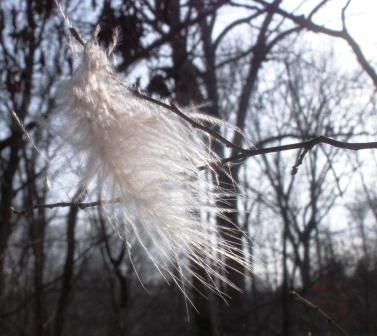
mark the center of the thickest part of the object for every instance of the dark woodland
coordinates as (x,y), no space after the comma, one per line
(307,184)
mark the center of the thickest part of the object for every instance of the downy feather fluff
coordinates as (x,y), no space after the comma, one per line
(146,158)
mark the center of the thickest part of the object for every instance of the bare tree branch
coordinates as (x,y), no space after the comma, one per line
(306,146)
(175,109)
(298,145)
(80,205)
(343,34)
(328,318)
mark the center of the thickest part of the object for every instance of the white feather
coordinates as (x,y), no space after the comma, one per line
(147,158)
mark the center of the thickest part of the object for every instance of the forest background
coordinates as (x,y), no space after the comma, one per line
(283,72)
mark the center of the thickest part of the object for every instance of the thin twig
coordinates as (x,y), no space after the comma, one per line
(328,318)
(175,109)
(298,145)
(300,159)
(305,145)
(344,16)
(77,36)
(81,205)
